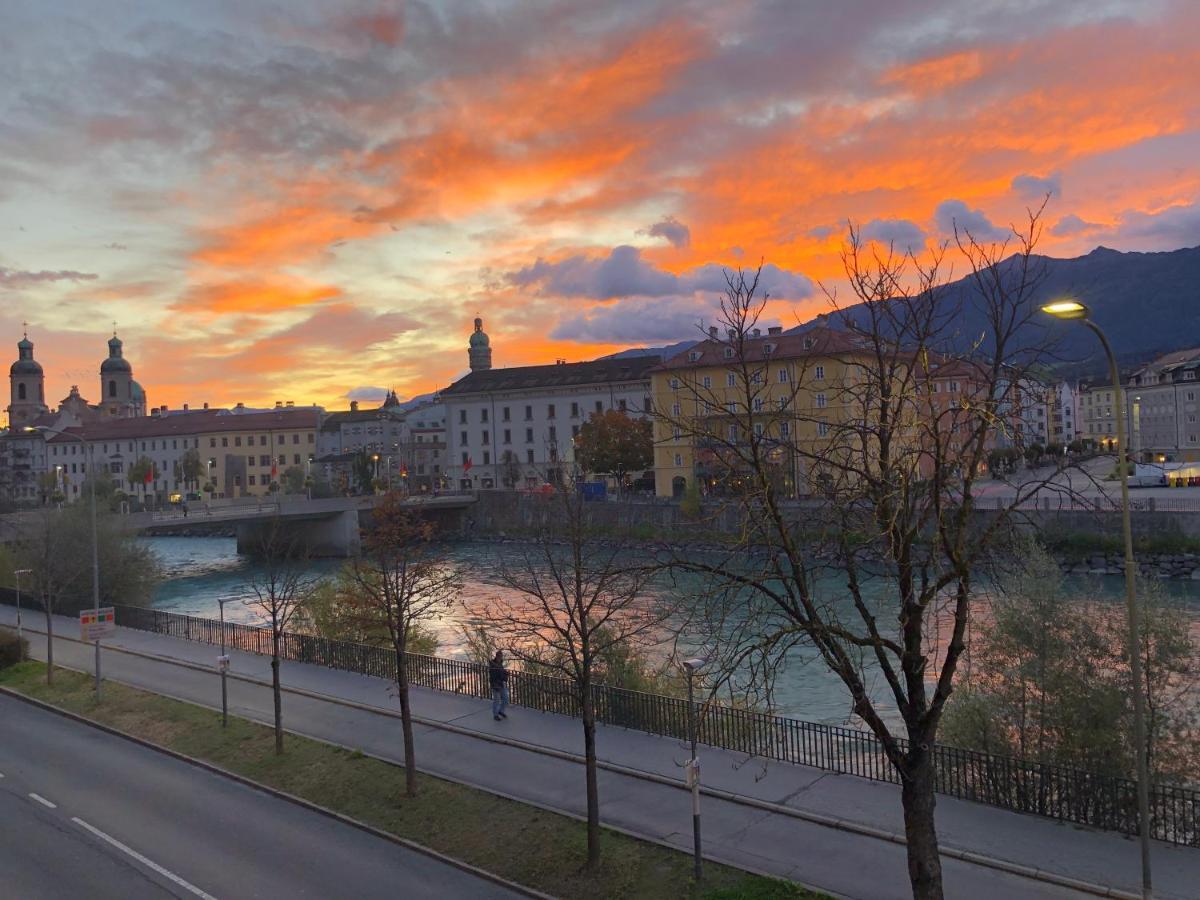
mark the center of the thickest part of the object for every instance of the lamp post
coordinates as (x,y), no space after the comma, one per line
(91,480)
(693,764)
(17,573)
(223,665)
(1075,311)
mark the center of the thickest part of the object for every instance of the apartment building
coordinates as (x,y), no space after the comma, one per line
(1164,410)
(238,452)
(1063,402)
(799,392)
(1098,413)
(516,427)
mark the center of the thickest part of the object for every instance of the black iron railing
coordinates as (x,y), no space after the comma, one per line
(1071,795)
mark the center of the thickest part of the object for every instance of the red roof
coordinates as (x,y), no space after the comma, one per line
(814,342)
(195,422)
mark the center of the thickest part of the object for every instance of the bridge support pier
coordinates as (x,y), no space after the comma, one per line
(336,535)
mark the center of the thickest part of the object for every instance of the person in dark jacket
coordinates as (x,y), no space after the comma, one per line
(498,678)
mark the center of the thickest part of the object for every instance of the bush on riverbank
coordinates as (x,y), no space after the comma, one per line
(56,546)
(1074,546)
(1049,678)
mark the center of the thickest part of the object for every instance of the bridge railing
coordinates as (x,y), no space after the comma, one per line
(1058,792)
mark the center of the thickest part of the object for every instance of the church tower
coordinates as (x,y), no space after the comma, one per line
(480,352)
(116,381)
(27,386)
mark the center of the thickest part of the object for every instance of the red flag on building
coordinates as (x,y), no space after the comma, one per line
(467,466)
(274,469)
(150,474)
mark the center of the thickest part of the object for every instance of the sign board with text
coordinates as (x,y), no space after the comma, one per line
(97,623)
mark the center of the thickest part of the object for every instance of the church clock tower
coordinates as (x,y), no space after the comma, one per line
(27,386)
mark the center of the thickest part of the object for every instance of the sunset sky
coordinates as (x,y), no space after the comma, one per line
(310,201)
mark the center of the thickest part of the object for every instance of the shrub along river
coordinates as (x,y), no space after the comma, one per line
(199,570)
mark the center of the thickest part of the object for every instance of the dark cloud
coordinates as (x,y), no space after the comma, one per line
(1175,226)
(114,245)
(623,273)
(1036,187)
(1071,224)
(16,278)
(901,233)
(641,320)
(678,234)
(955,214)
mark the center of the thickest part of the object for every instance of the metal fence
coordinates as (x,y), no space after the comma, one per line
(1070,795)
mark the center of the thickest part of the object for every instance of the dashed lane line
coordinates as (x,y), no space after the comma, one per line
(148,863)
(42,800)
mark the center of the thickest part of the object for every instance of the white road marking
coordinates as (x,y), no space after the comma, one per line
(143,860)
(42,800)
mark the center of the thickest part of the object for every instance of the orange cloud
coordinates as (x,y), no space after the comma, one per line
(931,76)
(252,295)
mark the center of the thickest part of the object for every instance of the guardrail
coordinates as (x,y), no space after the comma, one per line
(1066,794)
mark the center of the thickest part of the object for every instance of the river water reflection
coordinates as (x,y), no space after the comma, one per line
(199,570)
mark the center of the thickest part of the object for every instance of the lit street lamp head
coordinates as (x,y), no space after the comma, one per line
(1066,309)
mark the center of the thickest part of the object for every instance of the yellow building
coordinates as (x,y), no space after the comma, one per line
(239,452)
(790,389)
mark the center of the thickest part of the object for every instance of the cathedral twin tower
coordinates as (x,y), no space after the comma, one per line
(120,395)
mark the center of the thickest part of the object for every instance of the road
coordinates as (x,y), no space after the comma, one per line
(87,814)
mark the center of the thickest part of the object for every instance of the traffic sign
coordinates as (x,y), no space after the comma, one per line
(95,624)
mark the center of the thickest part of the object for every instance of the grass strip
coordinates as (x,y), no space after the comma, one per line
(530,846)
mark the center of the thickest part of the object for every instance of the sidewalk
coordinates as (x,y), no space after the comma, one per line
(742,825)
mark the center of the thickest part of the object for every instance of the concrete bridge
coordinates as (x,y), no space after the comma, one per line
(324,527)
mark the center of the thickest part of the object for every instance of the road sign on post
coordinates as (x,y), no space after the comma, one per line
(95,624)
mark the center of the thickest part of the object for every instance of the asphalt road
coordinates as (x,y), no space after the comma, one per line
(87,814)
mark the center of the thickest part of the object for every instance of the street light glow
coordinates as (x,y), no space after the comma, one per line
(1066,309)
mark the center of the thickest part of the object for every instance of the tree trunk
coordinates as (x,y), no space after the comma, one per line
(589,765)
(49,646)
(410,753)
(278,692)
(917,797)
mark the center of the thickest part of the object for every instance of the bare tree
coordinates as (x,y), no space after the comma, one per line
(572,601)
(277,591)
(884,423)
(399,583)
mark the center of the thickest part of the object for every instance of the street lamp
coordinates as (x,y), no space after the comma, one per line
(223,664)
(693,764)
(17,573)
(91,480)
(1076,311)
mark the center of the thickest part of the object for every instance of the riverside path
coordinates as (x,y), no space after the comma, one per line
(829,831)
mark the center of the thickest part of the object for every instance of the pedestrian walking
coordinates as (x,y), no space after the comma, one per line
(498,678)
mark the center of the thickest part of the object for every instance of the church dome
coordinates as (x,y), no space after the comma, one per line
(26,367)
(479,338)
(115,364)
(25,364)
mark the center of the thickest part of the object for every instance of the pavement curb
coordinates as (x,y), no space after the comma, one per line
(282,795)
(850,826)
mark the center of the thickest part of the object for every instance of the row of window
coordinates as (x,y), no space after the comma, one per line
(485,437)
(511,457)
(551,411)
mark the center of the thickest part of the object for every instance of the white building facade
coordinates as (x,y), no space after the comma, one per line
(515,428)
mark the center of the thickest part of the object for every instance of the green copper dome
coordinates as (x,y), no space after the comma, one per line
(479,338)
